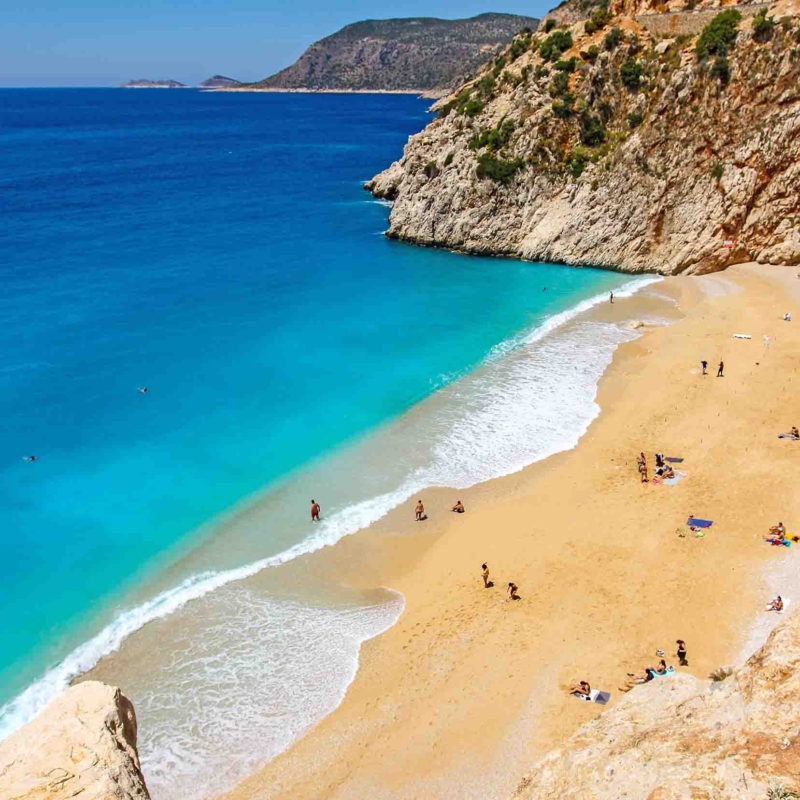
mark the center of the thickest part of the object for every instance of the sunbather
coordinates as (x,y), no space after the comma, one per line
(795,432)
(778,530)
(634,681)
(661,669)
(458,507)
(643,471)
(776,604)
(582,689)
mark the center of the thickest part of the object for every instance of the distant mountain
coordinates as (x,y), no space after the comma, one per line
(421,53)
(144,83)
(220,82)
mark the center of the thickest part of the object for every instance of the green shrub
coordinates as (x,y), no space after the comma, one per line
(520,45)
(430,169)
(591,54)
(566,65)
(719,35)
(598,20)
(486,85)
(592,130)
(721,70)
(496,169)
(606,110)
(549,24)
(716,171)
(635,119)
(449,160)
(576,162)
(631,73)
(541,72)
(471,108)
(559,86)
(762,26)
(563,109)
(612,39)
(797,36)
(555,44)
(494,138)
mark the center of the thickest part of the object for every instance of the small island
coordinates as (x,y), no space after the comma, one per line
(220,82)
(144,83)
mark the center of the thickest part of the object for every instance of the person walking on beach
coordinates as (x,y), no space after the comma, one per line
(487,584)
(720,369)
(315,509)
(611,298)
(420,511)
(642,462)
(704,365)
(682,653)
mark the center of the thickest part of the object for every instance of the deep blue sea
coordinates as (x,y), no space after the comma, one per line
(218,249)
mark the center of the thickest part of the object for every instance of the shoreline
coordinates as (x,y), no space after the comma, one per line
(399,707)
(426,94)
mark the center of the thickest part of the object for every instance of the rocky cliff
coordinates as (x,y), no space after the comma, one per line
(680,737)
(600,143)
(82,745)
(420,54)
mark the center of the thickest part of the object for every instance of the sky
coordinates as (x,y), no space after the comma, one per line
(96,43)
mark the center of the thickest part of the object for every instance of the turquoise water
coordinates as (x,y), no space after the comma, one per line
(218,249)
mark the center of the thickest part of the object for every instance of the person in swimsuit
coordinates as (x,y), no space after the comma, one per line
(582,689)
(661,669)
(720,369)
(419,510)
(143,390)
(682,652)
(315,509)
(776,604)
(459,507)
(611,298)
(485,575)
(778,530)
(512,591)
(643,471)
(704,365)
(795,432)
(29,459)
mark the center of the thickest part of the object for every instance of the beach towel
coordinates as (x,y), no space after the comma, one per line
(695,522)
(673,460)
(787,436)
(673,481)
(670,671)
(595,696)
(777,542)
(742,336)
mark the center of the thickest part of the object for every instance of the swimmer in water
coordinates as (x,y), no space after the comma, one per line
(29,459)
(143,390)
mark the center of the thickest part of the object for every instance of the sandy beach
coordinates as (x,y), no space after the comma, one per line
(467,690)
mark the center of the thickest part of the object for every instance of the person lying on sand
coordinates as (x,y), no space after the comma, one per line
(419,510)
(581,689)
(512,591)
(459,507)
(634,681)
(776,604)
(485,575)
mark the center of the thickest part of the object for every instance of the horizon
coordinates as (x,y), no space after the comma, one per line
(89,45)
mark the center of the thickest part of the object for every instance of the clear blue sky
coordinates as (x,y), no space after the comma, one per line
(96,43)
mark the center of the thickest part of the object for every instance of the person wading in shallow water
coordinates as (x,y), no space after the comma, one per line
(611,298)
(315,509)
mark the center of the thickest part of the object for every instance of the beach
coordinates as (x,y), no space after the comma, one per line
(467,689)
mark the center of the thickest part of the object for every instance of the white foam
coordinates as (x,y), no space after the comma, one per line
(535,402)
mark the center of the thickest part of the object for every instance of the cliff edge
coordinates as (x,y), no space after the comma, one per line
(680,737)
(641,139)
(82,745)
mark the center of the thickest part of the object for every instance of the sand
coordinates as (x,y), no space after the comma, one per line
(467,690)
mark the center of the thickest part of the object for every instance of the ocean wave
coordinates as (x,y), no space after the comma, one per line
(523,404)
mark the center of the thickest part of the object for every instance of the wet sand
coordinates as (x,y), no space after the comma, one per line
(468,689)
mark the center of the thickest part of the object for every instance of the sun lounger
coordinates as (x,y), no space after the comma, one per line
(695,522)
(673,460)
(595,696)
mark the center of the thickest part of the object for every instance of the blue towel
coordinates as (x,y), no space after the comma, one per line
(674,460)
(694,522)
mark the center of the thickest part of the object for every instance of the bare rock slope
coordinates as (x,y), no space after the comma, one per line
(82,745)
(599,143)
(680,737)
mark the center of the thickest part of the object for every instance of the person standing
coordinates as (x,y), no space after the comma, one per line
(315,509)
(682,653)
(485,575)
(720,369)
(419,511)
(704,365)
(611,298)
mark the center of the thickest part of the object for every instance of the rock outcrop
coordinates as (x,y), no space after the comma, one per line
(680,737)
(220,82)
(420,54)
(82,745)
(598,144)
(146,83)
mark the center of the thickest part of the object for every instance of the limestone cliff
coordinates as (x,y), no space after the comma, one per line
(82,745)
(602,143)
(680,737)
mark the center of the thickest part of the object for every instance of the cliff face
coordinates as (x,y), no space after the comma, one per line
(82,745)
(615,147)
(420,53)
(680,737)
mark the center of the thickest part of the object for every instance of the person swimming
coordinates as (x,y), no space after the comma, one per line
(142,390)
(459,507)
(29,459)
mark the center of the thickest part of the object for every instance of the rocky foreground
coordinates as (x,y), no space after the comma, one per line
(640,137)
(680,737)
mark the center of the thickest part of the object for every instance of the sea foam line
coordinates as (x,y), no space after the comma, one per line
(37,696)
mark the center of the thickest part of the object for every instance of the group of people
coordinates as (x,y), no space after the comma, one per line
(720,368)
(662,470)
(420,515)
(512,588)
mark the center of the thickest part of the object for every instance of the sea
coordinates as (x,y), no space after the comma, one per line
(219,250)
